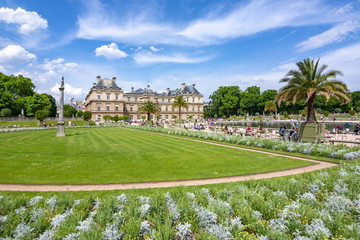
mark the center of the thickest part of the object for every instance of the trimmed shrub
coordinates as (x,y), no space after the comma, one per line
(5,112)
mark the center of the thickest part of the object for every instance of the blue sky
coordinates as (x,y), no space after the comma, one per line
(165,43)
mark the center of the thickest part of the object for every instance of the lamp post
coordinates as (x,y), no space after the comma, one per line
(61,123)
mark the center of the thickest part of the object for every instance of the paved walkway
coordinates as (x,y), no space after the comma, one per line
(123,186)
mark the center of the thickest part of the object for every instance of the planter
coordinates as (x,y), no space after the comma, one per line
(311,132)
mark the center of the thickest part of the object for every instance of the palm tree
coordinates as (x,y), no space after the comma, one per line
(308,81)
(270,106)
(180,102)
(148,107)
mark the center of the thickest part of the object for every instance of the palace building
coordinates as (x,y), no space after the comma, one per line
(107,98)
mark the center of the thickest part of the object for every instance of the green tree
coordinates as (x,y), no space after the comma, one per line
(39,102)
(270,106)
(148,107)
(87,115)
(250,100)
(13,91)
(106,117)
(308,81)
(224,101)
(69,111)
(115,118)
(180,102)
(79,113)
(41,115)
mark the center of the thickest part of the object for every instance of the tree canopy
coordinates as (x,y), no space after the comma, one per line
(148,107)
(309,81)
(17,92)
(179,102)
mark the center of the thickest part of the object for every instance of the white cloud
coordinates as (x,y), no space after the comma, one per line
(154,49)
(146,57)
(257,16)
(59,64)
(15,54)
(28,21)
(39,77)
(143,26)
(69,90)
(346,60)
(333,35)
(110,51)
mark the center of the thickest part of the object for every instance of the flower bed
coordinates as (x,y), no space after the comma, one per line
(319,205)
(331,151)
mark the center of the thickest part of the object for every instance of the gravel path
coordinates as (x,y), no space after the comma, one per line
(165,184)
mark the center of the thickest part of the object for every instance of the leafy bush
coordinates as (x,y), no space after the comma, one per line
(5,112)
(326,113)
(286,115)
(352,112)
(87,115)
(41,115)
(338,110)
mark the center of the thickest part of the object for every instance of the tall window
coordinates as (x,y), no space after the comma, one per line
(129,99)
(116,107)
(135,99)
(107,96)
(169,100)
(108,107)
(131,109)
(99,96)
(99,107)
(117,97)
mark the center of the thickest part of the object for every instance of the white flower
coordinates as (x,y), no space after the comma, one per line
(317,229)
(183,231)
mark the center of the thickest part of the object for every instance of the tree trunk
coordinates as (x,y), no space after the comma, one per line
(148,115)
(311,118)
(180,114)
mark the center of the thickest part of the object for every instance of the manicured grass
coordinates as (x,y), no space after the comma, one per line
(114,155)
(35,123)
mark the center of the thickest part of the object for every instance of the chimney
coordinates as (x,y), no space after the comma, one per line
(98,79)
(193,85)
(148,86)
(132,89)
(114,79)
(183,84)
(94,84)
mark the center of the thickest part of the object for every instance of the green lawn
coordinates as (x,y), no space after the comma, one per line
(115,155)
(35,123)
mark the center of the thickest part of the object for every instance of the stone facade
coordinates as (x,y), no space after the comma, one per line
(107,98)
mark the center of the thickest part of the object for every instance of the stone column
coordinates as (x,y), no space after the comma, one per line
(61,123)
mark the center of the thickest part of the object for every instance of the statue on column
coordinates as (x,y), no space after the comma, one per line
(61,123)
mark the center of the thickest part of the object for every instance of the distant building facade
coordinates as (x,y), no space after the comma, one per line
(107,98)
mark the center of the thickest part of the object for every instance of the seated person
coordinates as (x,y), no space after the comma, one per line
(248,129)
(294,136)
(282,130)
(357,129)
